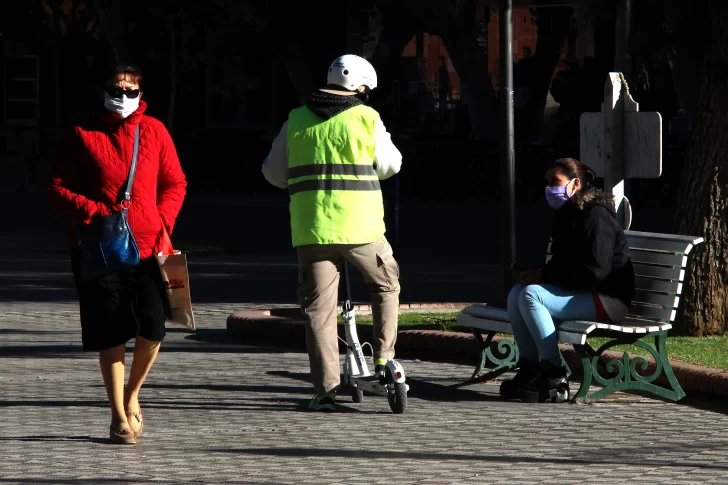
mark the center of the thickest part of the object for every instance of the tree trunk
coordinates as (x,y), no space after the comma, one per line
(688,51)
(686,65)
(395,34)
(281,35)
(472,67)
(298,69)
(553,26)
(471,64)
(703,201)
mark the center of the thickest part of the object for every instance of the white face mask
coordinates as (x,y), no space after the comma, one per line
(123,106)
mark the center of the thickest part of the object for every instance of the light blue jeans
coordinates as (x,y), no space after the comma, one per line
(534,308)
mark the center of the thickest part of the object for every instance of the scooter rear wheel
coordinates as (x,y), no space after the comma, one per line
(357,395)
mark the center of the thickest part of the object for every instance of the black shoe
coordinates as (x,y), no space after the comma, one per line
(550,384)
(527,370)
(323,402)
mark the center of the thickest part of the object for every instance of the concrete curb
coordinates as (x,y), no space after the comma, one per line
(287,324)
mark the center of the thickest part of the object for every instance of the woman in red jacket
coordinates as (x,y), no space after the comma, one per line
(88,177)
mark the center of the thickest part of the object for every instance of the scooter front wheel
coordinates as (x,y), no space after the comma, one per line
(398,398)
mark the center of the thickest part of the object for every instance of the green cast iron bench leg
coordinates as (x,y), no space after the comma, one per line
(625,372)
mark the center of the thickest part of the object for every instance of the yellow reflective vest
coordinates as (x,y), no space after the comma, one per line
(334,189)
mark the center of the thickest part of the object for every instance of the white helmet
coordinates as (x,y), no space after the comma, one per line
(352,71)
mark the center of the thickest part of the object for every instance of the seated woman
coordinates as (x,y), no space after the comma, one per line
(589,277)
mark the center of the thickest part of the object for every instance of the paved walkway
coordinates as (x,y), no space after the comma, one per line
(221,412)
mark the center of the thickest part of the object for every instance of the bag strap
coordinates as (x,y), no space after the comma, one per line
(132,171)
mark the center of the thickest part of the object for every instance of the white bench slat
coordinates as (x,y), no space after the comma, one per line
(652,312)
(567,336)
(496,319)
(637,244)
(581,327)
(658,272)
(487,312)
(577,326)
(638,329)
(654,328)
(571,332)
(660,286)
(574,332)
(616,328)
(659,299)
(645,242)
(664,237)
(663,259)
(648,325)
(571,337)
(497,326)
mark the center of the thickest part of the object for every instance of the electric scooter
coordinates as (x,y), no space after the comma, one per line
(356,373)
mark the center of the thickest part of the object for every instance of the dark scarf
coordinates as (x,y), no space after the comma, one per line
(326,105)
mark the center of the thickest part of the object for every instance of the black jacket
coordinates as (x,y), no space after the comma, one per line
(590,251)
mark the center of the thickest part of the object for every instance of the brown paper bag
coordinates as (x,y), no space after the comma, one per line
(173,266)
(177,284)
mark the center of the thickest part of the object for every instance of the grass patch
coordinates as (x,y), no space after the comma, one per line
(705,351)
(447,322)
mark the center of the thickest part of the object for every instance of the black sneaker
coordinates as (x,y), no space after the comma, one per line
(323,402)
(551,384)
(527,370)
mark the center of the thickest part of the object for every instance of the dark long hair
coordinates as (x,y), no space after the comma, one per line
(573,169)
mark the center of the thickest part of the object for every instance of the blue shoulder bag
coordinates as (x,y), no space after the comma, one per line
(107,244)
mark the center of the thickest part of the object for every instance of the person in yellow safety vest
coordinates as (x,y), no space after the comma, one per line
(331,155)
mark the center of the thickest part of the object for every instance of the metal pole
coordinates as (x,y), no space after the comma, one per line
(507,149)
(396,123)
(396,211)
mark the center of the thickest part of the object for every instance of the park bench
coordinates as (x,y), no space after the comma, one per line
(659,262)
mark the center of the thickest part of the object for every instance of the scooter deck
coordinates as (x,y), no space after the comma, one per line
(369,384)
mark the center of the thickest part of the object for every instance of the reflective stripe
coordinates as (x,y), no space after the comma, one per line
(352,185)
(331,169)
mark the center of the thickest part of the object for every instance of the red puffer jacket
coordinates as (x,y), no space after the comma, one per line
(89,174)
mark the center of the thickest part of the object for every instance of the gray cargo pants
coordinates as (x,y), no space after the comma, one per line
(319,269)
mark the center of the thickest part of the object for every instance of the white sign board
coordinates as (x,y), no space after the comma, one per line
(642,143)
(591,141)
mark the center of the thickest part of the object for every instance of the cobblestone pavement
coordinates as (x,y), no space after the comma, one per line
(220,412)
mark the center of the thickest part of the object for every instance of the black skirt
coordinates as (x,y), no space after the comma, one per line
(121,306)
